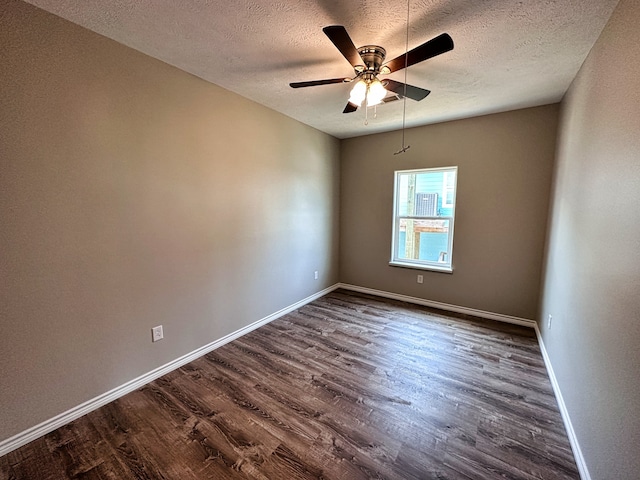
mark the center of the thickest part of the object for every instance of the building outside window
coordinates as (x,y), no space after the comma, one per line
(423,218)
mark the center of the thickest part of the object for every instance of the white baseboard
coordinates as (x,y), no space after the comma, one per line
(442,306)
(573,440)
(74,413)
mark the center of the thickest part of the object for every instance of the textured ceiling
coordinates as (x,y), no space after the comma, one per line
(507,55)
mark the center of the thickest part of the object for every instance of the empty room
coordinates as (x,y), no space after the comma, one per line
(319,240)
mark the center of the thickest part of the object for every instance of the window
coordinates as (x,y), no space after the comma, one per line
(423,214)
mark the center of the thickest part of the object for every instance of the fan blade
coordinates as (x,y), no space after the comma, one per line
(415,93)
(313,83)
(436,46)
(340,38)
(351,107)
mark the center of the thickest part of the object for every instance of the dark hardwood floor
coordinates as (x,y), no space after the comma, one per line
(347,387)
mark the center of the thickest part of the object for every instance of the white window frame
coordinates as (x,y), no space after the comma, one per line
(422,264)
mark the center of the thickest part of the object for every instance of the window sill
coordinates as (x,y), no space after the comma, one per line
(417,266)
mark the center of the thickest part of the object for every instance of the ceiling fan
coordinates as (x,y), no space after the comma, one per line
(367,63)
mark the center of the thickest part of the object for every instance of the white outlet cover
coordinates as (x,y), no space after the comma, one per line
(156,333)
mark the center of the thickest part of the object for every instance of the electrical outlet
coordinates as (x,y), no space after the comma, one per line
(549,321)
(156,333)
(420,279)
(315,275)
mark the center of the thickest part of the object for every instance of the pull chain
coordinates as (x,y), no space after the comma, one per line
(404,100)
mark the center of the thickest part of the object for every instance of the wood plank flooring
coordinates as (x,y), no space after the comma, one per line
(347,387)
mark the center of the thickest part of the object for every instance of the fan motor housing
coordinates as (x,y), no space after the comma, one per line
(372,56)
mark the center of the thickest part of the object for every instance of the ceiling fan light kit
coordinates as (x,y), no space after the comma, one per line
(367,63)
(370,89)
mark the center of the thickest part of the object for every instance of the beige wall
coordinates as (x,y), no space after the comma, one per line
(131,195)
(504,176)
(592,282)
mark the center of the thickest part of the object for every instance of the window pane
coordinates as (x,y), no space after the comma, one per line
(427,194)
(448,190)
(426,240)
(403,195)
